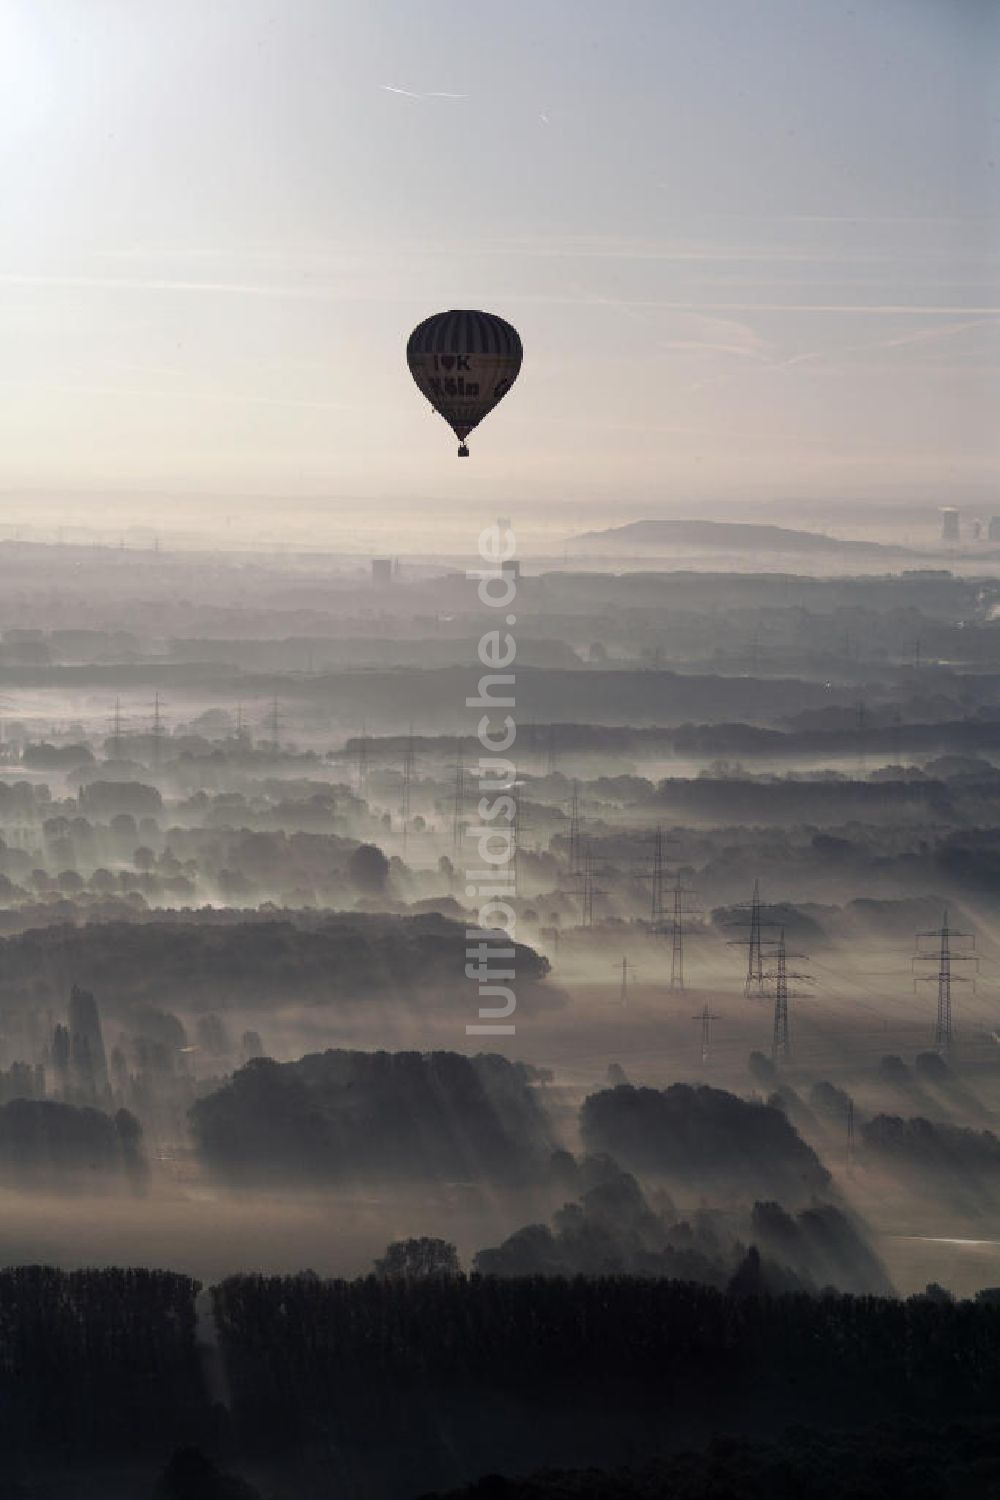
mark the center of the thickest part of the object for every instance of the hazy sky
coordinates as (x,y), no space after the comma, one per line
(750,244)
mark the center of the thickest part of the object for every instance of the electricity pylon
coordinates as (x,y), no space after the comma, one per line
(575,841)
(361,763)
(781,1048)
(706,1017)
(588,889)
(625,968)
(656,874)
(754,982)
(943,956)
(458,797)
(157,730)
(116,730)
(274,723)
(678,912)
(409,760)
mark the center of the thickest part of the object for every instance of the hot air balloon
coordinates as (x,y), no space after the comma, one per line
(464,362)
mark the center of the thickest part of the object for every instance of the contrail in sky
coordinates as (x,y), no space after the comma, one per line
(409,94)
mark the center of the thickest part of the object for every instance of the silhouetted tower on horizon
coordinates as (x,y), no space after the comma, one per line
(706,1017)
(850,1137)
(944,956)
(781,1048)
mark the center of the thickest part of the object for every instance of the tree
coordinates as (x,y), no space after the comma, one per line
(418,1260)
(368,869)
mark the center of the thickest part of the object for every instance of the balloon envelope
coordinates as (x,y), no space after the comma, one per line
(464,362)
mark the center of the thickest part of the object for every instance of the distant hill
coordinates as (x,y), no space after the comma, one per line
(731,536)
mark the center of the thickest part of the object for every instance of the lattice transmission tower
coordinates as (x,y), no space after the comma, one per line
(706,1017)
(753,984)
(944,955)
(781,1047)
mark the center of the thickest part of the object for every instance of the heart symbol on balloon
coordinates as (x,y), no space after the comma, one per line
(448,361)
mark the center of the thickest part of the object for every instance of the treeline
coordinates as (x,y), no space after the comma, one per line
(613,1229)
(43,1142)
(97,1361)
(693,1134)
(263,962)
(375,1115)
(384,1387)
(472,1374)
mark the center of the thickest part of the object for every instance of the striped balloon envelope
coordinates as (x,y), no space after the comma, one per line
(464,362)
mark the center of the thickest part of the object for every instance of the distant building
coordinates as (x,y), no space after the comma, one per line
(949,524)
(994,529)
(381,572)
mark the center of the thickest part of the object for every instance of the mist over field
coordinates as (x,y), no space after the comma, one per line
(694,986)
